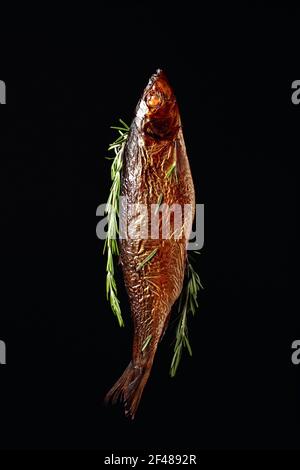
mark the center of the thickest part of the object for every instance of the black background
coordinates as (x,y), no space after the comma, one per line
(232,73)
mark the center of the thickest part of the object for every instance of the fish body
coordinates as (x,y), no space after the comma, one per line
(156,172)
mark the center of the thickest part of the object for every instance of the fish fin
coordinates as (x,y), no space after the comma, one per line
(129,388)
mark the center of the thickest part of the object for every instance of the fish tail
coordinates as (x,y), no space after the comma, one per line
(129,388)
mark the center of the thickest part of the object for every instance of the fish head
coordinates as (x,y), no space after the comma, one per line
(158,110)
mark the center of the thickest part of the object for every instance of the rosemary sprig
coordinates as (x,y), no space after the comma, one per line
(159,203)
(112,211)
(172,171)
(187,304)
(147,259)
(146,342)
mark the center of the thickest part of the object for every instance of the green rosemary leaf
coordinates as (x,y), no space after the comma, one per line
(159,202)
(146,342)
(112,210)
(124,124)
(172,170)
(118,128)
(147,259)
(188,303)
(188,346)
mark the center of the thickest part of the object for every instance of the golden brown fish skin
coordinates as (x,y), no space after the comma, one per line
(155,140)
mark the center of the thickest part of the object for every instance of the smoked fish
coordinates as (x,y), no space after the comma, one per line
(156,171)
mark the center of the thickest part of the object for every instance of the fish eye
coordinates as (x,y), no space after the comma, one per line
(154,100)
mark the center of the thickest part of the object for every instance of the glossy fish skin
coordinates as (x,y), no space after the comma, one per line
(155,141)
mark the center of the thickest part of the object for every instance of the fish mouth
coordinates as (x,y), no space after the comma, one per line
(160,84)
(156,75)
(159,73)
